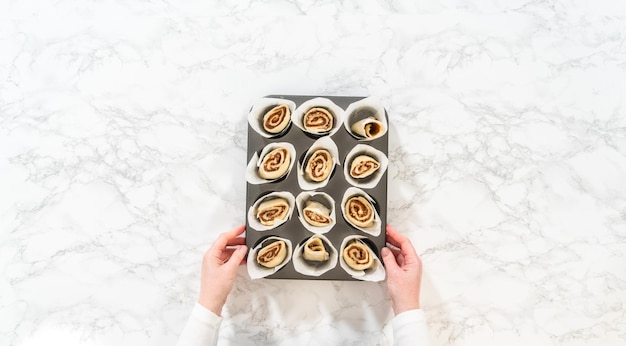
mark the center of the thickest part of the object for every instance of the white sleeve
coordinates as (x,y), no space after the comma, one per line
(409,328)
(202,328)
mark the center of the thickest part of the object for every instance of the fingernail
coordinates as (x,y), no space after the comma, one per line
(384,251)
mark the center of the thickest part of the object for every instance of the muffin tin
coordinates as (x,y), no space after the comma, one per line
(294,230)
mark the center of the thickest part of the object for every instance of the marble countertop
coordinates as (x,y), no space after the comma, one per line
(122,157)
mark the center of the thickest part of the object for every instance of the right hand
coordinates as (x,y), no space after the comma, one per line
(404,272)
(219,269)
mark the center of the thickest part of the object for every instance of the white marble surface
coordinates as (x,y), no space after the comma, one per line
(122,154)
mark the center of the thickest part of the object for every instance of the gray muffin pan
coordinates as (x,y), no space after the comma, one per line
(337,185)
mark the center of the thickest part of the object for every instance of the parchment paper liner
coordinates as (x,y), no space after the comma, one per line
(305,267)
(372,180)
(321,197)
(252,171)
(322,143)
(373,274)
(374,230)
(365,108)
(257,271)
(261,107)
(298,115)
(256,224)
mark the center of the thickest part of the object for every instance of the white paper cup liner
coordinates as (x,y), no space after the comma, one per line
(362,109)
(322,143)
(374,230)
(321,197)
(256,224)
(252,171)
(261,107)
(257,271)
(372,180)
(377,273)
(298,115)
(309,268)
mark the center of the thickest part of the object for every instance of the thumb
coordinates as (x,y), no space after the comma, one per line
(389,259)
(237,256)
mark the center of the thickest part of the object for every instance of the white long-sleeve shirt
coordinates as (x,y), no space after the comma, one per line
(202,329)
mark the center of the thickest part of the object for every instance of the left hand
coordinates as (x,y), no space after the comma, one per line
(219,269)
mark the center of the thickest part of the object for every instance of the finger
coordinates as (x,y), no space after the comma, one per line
(236,241)
(222,241)
(226,254)
(390,236)
(395,252)
(400,260)
(406,247)
(394,237)
(237,257)
(389,259)
(234,233)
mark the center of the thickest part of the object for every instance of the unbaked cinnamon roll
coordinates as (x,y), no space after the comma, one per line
(275,164)
(359,212)
(363,166)
(272,255)
(319,165)
(357,255)
(318,120)
(274,209)
(368,128)
(314,250)
(316,214)
(277,119)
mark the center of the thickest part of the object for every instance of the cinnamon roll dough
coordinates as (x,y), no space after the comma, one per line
(275,164)
(369,128)
(359,212)
(272,255)
(316,214)
(357,255)
(363,166)
(314,250)
(318,120)
(277,119)
(270,211)
(319,165)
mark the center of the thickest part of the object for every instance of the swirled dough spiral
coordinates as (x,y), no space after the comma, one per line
(357,255)
(318,120)
(274,209)
(316,214)
(319,165)
(277,119)
(363,166)
(272,255)
(275,164)
(359,212)
(369,128)
(314,250)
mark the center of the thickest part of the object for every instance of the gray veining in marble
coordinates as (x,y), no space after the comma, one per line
(122,156)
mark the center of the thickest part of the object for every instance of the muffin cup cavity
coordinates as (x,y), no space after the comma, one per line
(254,221)
(315,268)
(256,270)
(315,108)
(254,166)
(366,119)
(260,113)
(374,273)
(370,152)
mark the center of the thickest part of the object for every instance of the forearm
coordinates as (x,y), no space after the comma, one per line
(202,328)
(409,328)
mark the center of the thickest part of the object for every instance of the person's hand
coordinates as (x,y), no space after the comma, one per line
(219,269)
(404,272)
